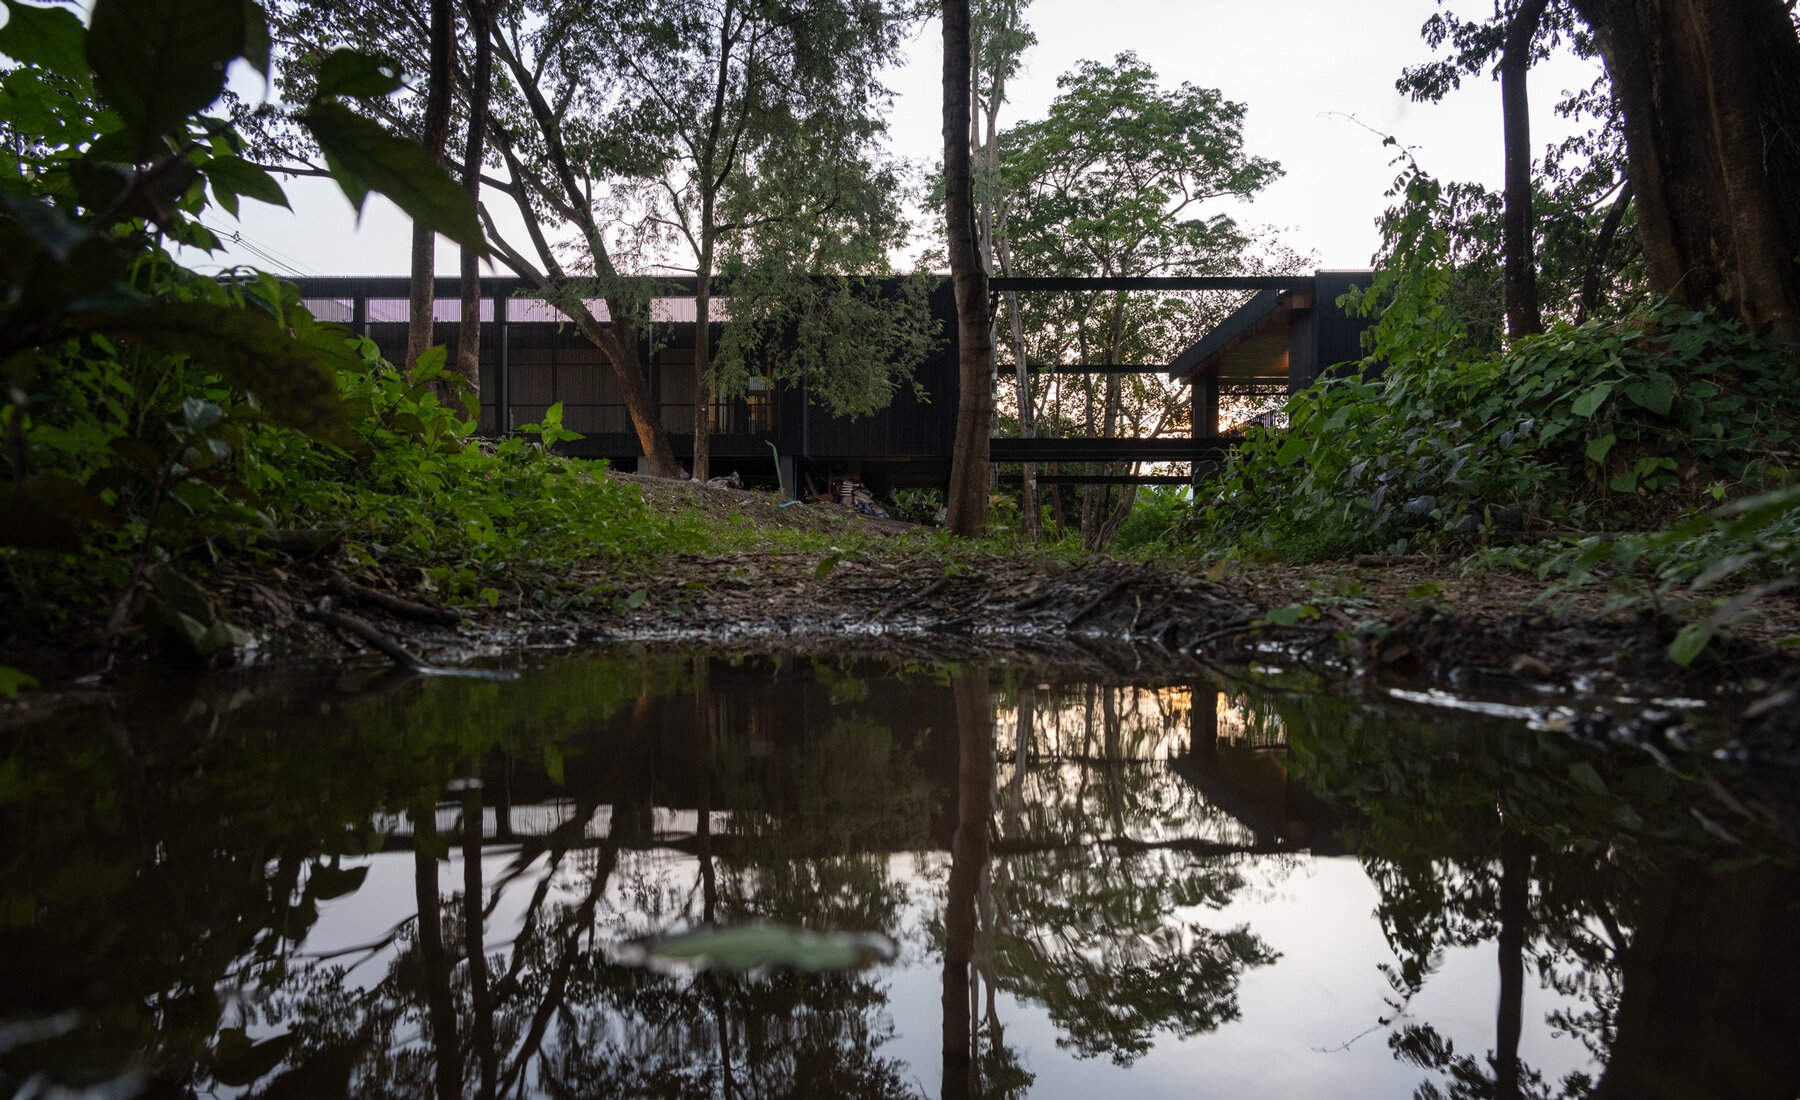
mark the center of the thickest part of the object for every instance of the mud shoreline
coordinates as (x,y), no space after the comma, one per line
(891,590)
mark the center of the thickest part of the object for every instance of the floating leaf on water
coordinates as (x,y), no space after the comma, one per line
(754,946)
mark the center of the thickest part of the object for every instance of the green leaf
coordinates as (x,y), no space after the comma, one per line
(50,38)
(349,72)
(364,157)
(257,46)
(553,762)
(827,564)
(1689,642)
(249,350)
(1589,403)
(1290,614)
(235,176)
(1597,449)
(1585,775)
(156,62)
(428,366)
(749,947)
(199,415)
(1654,393)
(220,634)
(12,681)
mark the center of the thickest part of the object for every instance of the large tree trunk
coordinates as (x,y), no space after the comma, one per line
(1706,1004)
(618,342)
(436,135)
(1710,92)
(968,503)
(1516,246)
(703,387)
(481,1000)
(434,959)
(468,336)
(968,868)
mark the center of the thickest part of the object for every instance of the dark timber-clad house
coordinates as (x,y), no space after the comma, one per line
(1281,339)
(532,357)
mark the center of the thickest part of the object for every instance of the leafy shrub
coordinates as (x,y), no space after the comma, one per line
(1155,515)
(917,505)
(1596,427)
(156,420)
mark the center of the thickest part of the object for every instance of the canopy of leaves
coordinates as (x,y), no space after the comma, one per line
(1111,181)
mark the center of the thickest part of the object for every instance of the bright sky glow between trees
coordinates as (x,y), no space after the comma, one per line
(1318,81)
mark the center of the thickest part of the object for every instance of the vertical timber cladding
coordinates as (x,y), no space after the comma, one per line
(911,427)
(1325,337)
(532,361)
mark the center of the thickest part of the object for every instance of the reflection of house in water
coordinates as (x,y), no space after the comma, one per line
(1238,758)
(822,759)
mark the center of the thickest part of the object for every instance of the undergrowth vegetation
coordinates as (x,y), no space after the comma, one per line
(162,427)
(1660,445)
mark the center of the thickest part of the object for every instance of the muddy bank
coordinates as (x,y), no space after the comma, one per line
(887,588)
(1100,615)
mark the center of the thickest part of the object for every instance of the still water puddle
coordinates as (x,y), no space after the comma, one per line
(273,885)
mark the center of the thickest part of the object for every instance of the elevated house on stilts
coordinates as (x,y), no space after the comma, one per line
(1284,336)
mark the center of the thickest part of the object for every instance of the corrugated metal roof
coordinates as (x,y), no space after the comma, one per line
(677,311)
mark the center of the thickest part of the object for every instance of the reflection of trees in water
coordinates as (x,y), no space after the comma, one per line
(811,828)
(790,841)
(1076,914)
(167,852)
(1594,867)
(153,866)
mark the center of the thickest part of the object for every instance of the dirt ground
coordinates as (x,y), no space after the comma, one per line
(892,588)
(885,587)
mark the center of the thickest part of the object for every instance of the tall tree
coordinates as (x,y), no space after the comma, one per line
(1561,223)
(435,136)
(468,336)
(1710,93)
(717,98)
(968,498)
(1522,315)
(1114,181)
(540,121)
(998,41)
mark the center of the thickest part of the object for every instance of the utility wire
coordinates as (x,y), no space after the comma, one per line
(285,265)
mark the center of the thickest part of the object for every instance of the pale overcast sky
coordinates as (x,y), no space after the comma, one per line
(1301,66)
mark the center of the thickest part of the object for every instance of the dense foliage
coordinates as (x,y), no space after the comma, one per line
(1599,431)
(1121,177)
(159,423)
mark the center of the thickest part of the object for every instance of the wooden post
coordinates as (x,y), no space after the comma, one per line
(503,382)
(1206,404)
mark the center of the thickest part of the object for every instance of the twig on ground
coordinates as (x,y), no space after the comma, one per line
(1242,626)
(1105,595)
(394,605)
(350,624)
(923,594)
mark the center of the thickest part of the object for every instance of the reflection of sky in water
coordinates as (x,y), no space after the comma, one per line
(1297,1015)
(1164,912)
